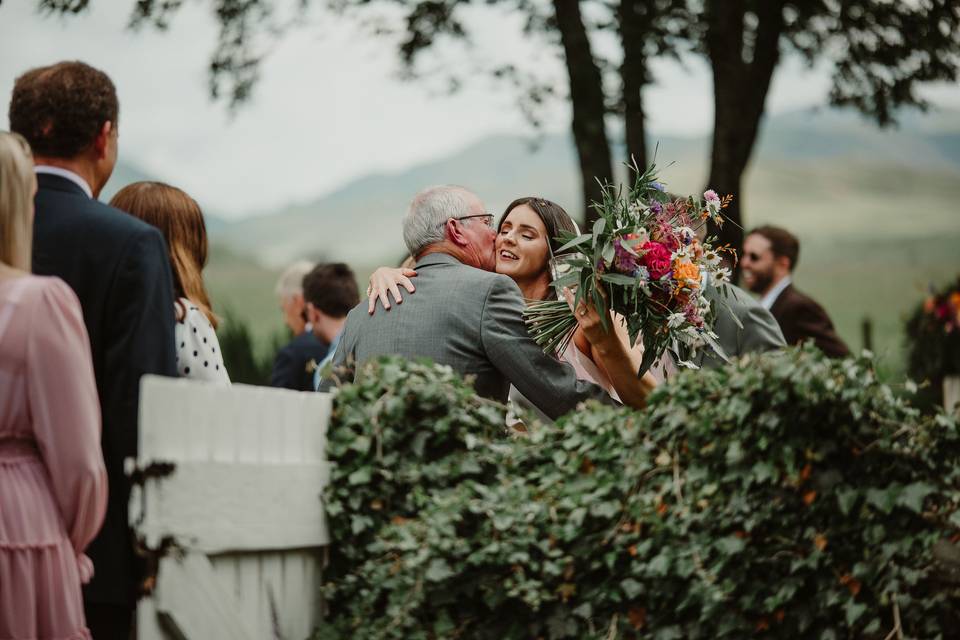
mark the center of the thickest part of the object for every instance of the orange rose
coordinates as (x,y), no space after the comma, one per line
(687,273)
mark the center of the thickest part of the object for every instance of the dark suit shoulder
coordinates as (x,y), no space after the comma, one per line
(73,211)
(792,301)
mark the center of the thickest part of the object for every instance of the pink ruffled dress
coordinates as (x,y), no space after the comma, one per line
(53,485)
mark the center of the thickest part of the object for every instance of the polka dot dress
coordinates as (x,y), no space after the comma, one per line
(198,352)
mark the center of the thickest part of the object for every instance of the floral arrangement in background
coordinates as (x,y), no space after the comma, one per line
(642,259)
(933,335)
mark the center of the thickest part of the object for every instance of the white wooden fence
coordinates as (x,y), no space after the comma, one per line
(230,505)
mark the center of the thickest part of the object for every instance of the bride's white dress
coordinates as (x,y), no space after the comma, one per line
(586,370)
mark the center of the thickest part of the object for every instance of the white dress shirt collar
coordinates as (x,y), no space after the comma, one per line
(772,295)
(65,173)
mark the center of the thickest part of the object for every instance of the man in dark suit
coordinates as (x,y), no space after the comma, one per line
(295,362)
(769,257)
(119,269)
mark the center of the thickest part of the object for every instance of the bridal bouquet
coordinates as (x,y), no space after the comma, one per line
(643,260)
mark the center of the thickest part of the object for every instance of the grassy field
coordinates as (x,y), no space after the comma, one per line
(241,287)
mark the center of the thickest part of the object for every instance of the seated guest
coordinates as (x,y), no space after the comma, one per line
(330,291)
(179,218)
(769,257)
(53,484)
(118,267)
(295,363)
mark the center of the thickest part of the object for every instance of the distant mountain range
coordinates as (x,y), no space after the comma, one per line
(801,164)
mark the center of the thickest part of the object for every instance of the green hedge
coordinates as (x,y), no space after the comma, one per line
(789,496)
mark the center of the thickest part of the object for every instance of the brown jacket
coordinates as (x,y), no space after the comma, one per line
(801,318)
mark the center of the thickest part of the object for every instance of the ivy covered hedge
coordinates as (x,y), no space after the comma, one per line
(789,496)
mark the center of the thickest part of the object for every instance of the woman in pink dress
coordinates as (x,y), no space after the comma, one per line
(53,485)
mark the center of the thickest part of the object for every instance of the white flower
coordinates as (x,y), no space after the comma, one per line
(680,254)
(703,306)
(721,275)
(692,336)
(636,208)
(711,258)
(676,320)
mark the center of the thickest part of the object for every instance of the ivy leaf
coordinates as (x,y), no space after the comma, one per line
(912,496)
(731,545)
(438,570)
(955,518)
(854,610)
(734,452)
(631,587)
(659,565)
(882,499)
(846,499)
(606,509)
(584,611)
(360,476)
(419,443)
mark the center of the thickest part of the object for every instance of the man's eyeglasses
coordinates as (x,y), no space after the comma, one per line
(488,218)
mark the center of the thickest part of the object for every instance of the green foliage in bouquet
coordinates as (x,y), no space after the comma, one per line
(643,260)
(790,496)
(933,336)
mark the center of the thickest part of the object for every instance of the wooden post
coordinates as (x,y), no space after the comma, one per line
(866,328)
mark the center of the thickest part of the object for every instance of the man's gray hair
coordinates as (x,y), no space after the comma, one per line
(429,212)
(291,280)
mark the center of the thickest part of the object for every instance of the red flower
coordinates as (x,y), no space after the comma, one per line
(656,258)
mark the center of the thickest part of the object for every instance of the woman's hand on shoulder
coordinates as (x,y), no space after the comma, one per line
(388,280)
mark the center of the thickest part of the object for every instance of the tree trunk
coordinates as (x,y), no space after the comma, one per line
(634,23)
(740,91)
(587,100)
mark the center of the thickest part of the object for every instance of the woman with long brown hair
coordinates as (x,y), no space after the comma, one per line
(53,484)
(179,218)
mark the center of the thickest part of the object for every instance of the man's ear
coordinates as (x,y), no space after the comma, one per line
(102,141)
(782,263)
(311,312)
(455,233)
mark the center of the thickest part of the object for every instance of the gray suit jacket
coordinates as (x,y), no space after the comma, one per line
(472,321)
(760,330)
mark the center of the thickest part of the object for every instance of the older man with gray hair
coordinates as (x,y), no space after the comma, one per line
(291,367)
(465,316)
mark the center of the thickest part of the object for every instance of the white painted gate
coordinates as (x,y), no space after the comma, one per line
(230,505)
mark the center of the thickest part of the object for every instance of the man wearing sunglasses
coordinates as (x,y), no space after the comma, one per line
(769,258)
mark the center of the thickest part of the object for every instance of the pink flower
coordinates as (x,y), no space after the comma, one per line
(711,196)
(656,258)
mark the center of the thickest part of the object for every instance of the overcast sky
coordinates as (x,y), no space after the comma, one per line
(329,107)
